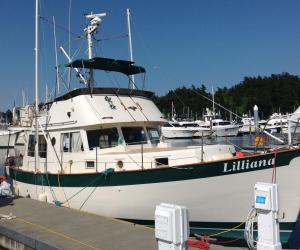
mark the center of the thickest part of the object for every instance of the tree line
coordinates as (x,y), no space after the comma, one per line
(278,93)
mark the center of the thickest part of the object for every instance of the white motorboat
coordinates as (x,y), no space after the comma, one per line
(99,151)
(294,120)
(7,138)
(174,130)
(277,123)
(248,125)
(198,130)
(217,125)
(13,134)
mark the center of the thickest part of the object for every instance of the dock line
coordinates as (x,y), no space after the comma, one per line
(57,233)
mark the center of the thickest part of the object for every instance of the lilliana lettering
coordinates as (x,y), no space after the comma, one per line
(246,164)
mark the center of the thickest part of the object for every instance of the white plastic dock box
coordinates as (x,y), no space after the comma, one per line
(171,226)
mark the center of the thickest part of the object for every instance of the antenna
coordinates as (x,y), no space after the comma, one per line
(56,60)
(95,21)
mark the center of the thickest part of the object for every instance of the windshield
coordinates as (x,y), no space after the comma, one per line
(103,138)
(134,135)
(153,135)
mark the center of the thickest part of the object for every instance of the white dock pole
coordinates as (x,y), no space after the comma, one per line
(266,203)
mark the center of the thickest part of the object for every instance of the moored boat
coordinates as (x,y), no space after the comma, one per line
(100,151)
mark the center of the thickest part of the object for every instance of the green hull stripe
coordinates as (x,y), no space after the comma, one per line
(157,175)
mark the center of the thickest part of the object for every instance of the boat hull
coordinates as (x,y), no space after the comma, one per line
(223,131)
(216,193)
(177,133)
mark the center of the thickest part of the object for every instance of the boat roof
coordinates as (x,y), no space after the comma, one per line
(105,91)
(107,64)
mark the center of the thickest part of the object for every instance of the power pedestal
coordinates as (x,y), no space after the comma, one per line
(171,227)
(266,203)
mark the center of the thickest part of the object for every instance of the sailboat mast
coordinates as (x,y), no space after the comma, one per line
(36,84)
(132,85)
(213,101)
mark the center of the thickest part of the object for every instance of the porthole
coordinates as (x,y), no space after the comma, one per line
(120,164)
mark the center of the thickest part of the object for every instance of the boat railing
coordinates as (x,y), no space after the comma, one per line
(92,165)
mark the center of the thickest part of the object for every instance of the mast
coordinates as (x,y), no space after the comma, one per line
(213,101)
(95,21)
(23,98)
(46,94)
(36,149)
(56,60)
(132,85)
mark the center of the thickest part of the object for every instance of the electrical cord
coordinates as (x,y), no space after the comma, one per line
(249,226)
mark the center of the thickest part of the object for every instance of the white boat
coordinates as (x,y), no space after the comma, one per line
(12,135)
(174,130)
(248,125)
(196,128)
(99,151)
(218,126)
(22,121)
(294,119)
(277,123)
(7,138)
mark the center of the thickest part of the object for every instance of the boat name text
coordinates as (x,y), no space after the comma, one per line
(241,165)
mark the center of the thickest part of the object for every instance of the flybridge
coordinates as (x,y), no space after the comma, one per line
(107,64)
(106,91)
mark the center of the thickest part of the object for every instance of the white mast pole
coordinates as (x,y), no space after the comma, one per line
(213,95)
(36,149)
(56,59)
(95,20)
(46,94)
(23,98)
(132,85)
(90,51)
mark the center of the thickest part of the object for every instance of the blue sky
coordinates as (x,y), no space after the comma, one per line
(215,43)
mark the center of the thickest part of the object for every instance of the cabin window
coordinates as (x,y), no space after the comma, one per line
(71,142)
(103,138)
(31,144)
(176,125)
(153,135)
(134,135)
(42,146)
(224,123)
(89,164)
(161,162)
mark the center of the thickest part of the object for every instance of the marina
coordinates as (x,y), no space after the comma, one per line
(105,166)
